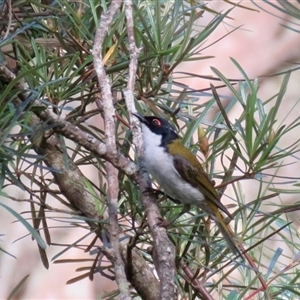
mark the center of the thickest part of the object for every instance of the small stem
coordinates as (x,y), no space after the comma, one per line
(110,139)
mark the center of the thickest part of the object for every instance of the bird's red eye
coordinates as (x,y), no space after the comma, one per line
(156,122)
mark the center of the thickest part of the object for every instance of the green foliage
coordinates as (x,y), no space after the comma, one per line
(52,49)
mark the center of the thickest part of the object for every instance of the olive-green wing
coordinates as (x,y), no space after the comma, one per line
(191,171)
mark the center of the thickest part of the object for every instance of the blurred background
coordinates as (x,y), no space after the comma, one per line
(263,44)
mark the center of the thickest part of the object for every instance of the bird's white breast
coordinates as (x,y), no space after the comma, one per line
(159,164)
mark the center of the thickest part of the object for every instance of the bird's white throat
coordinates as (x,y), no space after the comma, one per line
(150,138)
(160,165)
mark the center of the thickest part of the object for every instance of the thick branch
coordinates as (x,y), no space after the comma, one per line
(71,181)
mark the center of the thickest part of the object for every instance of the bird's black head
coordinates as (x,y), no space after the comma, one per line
(159,126)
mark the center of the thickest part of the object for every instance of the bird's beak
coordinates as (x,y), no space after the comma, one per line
(141,118)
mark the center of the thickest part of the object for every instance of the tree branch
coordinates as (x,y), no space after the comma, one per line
(164,250)
(70,180)
(68,130)
(110,138)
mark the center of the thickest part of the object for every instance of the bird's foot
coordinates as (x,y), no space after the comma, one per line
(155,192)
(161,222)
(164,223)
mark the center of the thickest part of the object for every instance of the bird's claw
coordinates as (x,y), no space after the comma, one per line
(163,223)
(151,191)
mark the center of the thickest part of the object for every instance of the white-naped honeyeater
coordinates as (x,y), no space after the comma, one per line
(179,173)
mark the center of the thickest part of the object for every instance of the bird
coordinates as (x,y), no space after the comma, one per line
(179,173)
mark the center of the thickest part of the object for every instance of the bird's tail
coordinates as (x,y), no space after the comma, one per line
(226,234)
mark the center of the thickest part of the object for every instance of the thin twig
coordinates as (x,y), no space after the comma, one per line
(44,205)
(196,284)
(9,19)
(110,138)
(164,258)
